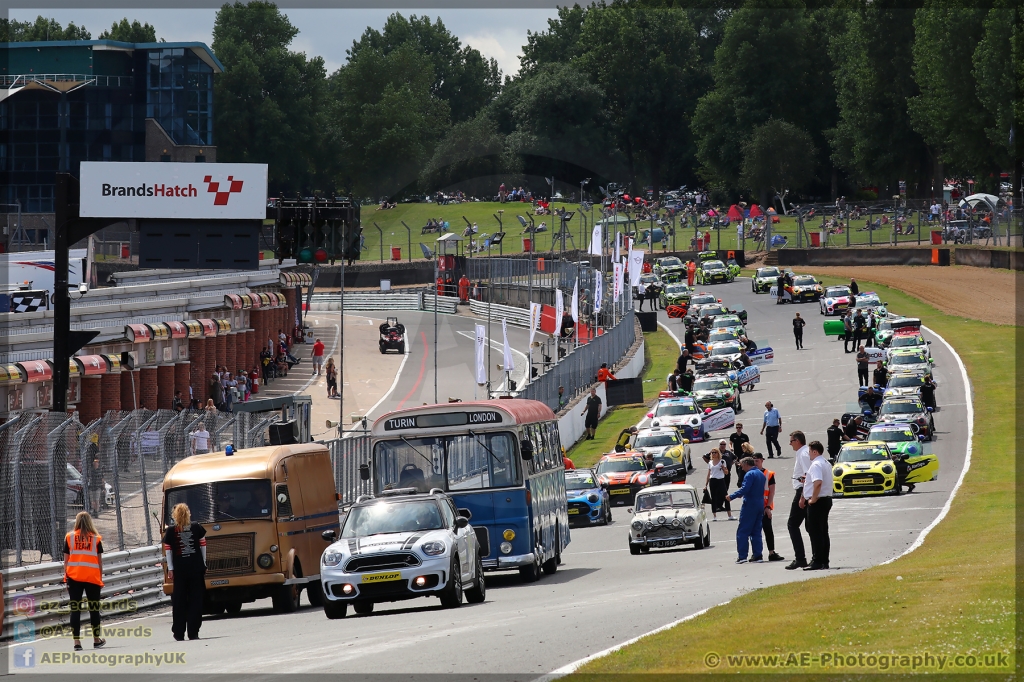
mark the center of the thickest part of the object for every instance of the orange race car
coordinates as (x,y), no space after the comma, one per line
(623,474)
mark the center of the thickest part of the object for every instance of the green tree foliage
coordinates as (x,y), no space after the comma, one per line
(997,83)
(13,31)
(271,104)
(389,118)
(130,33)
(473,156)
(777,156)
(461,76)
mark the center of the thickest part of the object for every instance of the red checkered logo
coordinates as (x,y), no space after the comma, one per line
(220,197)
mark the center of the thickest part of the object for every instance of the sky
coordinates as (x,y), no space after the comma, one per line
(497,33)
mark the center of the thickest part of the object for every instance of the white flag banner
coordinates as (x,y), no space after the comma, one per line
(598,291)
(481,354)
(597,241)
(535,309)
(636,267)
(559,308)
(618,245)
(508,364)
(576,302)
(616,281)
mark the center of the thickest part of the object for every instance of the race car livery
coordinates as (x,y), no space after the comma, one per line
(886,328)
(835,300)
(733,267)
(683,414)
(664,442)
(804,288)
(675,294)
(713,272)
(910,360)
(703,298)
(903,442)
(724,334)
(904,384)
(726,350)
(667,516)
(588,502)
(764,279)
(622,475)
(910,411)
(717,391)
(669,266)
(904,340)
(869,302)
(863,468)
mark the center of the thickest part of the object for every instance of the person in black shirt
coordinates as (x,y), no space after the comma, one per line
(880,376)
(862,366)
(568,326)
(185,551)
(673,381)
(928,392)
(688,340)
(682,361)
(780,288)
(738,438)
(798,331)
(592,412)
(685,381)
(835,439)
(854,289)
(749,345)
(859,327)
(851,428)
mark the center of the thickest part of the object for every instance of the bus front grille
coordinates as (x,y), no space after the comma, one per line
(229,554)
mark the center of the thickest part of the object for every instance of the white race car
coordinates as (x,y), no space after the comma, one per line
(402,545)
(836,300)
(666,516)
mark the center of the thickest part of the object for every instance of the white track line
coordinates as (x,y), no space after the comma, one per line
(576,665)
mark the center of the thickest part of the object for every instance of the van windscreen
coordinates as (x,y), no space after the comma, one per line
(222,500)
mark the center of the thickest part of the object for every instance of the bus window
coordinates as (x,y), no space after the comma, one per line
(481,461)
(462,462)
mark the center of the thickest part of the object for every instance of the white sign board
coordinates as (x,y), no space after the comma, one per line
(173,190)
(724,418)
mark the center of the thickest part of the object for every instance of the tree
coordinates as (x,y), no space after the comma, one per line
(13,31)
(130,33)
(777,156)
(998,86)
(471,155)
(272,104)
(461,76)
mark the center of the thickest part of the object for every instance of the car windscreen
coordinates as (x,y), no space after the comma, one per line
(713,266)
(222,500)
(713,310)
(701,300)
(892,435)
(862,454)
(710,384)
(579,482)
(670,262)
(388,516)
(908,359)
(728,322)
(768,272)
(726,349)
(837,292)
(905,341)
(682,499)
(459,462)
(804,280)
(901,408)
(657,440)
(675,410)
(620,465)
(676,289)
(868,301)
(722,336)
(905,381)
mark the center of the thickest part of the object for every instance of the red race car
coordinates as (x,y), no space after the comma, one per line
(623,474)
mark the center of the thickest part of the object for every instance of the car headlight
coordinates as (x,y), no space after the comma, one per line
(265,561)
(433,548)
(509,535)
(637,525)
(886,469)
(648,525)
(331,558)
(689,521)
(676,523)
(661,520)
(505,547)
(642,479)
(592,497)
(838,471)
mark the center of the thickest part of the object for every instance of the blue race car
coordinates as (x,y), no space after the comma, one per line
(588,501)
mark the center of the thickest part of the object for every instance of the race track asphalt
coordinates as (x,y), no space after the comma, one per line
(601,595)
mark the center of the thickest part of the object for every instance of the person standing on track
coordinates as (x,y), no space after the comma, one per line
(716,485)
(592,411)
(769,507)
(816,498)
(748,531)
(859,328)
(854,289)
(862,366)
(880,376)
(83,573)
(738,438)
(185,551)
(332,378)
(797,515)
(318,357)
(848,331)
(835,439)
(771,423)
(798,331)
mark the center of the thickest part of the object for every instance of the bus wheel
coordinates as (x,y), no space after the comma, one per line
(530,573)
(234,608)
(286,598)
(551,565)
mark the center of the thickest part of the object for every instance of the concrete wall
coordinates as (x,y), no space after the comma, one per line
(879,256)
(990,258)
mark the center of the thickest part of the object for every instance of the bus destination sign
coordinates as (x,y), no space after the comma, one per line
(430,421)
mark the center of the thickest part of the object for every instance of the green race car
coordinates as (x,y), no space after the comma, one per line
(764,279)
(675,294)
(886,327)
(713,272)
(717,391)
(670,269)
(734,267)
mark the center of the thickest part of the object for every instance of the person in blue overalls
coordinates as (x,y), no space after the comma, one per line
(748,531)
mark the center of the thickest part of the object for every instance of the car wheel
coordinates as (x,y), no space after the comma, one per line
(286,598)
(699,542)
(530,573)
(315,593)
(363,608)
(335,610)
(401,348)
(608,513)
(634,549)
(451,596)
(383,351)
(477,593)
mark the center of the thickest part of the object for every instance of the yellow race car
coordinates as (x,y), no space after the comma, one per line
(864,468)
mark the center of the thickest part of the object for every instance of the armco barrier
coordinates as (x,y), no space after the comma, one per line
(132,579)
(990,258)
(378,300)
(516,316)
(841,256)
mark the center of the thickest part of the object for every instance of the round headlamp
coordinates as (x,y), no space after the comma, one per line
(637,525)
(688,520)
(433,548)
(661,520)
(505,547)
(886,469)
(675,523)
(838,471)
(592,497)
(509,535)
(648,524)
(329,558)
(265,561)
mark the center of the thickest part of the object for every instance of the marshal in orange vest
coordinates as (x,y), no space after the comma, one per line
(84,559)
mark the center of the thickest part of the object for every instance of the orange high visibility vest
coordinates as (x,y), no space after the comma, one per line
(84,560)
(768,473)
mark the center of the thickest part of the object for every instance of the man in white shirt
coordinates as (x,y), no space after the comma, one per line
(200,440)
(797,515)
(817,499)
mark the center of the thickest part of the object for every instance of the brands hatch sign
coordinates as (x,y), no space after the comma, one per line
(236,191)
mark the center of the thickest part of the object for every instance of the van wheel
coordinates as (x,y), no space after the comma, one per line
(335,610)
(478,593)
(363,608)
(234,608)
(286,598)
(315,593)
(451,596)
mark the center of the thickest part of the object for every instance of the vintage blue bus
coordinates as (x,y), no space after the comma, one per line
(500,459)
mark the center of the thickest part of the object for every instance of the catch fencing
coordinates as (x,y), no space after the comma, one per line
(347,455)
(52,467)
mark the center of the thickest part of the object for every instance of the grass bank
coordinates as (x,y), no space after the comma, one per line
(660,354)
(953,596)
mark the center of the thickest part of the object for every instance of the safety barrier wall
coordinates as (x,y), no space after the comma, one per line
(797,257)
(380,300)
(990,258)
(347,454)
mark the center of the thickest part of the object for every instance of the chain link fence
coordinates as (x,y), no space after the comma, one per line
(347,454)
(52,467)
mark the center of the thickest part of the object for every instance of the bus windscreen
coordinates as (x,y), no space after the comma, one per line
(453,463)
